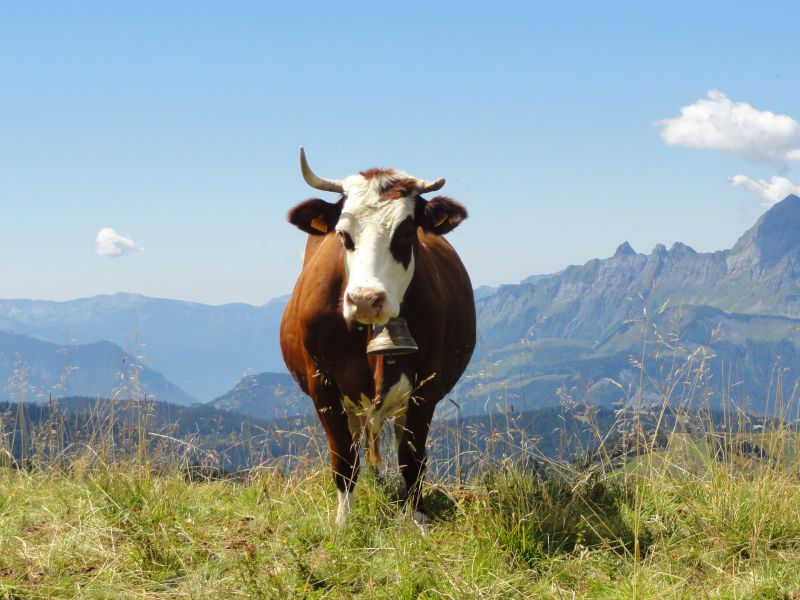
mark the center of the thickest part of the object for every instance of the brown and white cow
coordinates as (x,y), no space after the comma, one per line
(377,253)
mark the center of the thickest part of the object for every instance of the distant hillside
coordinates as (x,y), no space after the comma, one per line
(740,358)
(203,349)
(579,334)
(203,433)
(576,334)
(759,275)
(232,441)
(266,396)
(570,332)
(32,369)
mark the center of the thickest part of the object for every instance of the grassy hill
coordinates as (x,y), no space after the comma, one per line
(684,521)
(195,435)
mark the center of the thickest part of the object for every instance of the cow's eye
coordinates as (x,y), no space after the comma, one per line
(346,240)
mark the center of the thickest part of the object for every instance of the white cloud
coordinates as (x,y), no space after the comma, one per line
(110,243)
(772,191)
(718,123)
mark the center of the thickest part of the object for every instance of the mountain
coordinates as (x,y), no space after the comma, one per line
(759,275)
(32,369)
(266,396)
(578,333)
(773,237)
(572,330)
(203,349)
(713,353)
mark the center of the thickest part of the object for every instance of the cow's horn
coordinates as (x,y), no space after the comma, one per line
(429,186)
(326,185)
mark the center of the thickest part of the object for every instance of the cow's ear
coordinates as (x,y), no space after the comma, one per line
(316,216)
(439,215)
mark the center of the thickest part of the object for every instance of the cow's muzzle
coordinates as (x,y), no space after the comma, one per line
(366,305)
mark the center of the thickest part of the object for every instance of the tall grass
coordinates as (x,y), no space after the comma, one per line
(684,495)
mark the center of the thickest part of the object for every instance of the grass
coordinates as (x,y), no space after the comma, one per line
(681,511)
(672,526)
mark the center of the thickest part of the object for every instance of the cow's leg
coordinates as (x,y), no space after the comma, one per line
(411,454)
(343,446)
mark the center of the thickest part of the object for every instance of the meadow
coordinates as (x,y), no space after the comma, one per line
(691,519)
(682,496)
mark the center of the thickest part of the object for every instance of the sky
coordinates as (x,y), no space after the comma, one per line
(152,147)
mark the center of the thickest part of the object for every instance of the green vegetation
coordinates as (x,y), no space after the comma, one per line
(705,516)
(659,497)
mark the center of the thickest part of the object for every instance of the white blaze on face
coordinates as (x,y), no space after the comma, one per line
(376,280)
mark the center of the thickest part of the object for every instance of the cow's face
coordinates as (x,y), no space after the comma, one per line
(376,222)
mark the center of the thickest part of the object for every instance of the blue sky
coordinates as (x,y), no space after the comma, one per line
(178,126)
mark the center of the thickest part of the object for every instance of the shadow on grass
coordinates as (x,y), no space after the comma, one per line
(537,516)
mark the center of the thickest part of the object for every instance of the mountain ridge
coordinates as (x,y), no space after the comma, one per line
(266,396)
(202,348)
(582,301)
(32,367)
(576,319)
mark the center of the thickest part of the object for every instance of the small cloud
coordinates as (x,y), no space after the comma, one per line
(718,123)
(110,243)
(772,191)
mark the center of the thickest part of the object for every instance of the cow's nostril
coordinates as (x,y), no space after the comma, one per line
(350,299)
(378,301)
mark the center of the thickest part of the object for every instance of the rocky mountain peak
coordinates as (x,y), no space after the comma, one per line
(680,249)
(775,234)
(625,249)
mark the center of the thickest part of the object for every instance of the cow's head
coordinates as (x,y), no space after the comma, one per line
(376,220)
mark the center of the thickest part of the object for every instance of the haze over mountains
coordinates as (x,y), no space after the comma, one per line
(570,331)
(203,349)
(32,369)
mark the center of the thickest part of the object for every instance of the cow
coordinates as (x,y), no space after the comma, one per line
(375,253)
